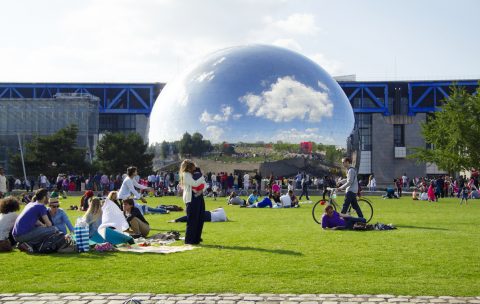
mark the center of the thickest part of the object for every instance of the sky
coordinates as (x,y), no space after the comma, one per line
(153,41)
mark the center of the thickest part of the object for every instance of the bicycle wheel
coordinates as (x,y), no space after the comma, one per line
(365,206)
(318,210)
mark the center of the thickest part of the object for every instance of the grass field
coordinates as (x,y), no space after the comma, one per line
(435,251)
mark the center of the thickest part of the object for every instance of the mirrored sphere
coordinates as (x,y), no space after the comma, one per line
(253,93)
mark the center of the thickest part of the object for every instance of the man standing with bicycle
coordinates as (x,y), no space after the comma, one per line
(350,185)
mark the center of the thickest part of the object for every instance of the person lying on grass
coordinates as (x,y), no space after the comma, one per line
(266,202)
(332,220)
(216,215)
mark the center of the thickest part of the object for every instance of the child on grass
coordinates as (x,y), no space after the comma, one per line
(464,194)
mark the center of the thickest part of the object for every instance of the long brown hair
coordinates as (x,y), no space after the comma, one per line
(94,210)
(186,166)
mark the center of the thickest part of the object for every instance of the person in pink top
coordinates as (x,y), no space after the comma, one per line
(431,193)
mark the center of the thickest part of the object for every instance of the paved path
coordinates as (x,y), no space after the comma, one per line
(224,298)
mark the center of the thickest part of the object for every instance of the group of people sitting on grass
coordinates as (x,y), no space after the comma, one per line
(42,225)
(466,192)
(273,199)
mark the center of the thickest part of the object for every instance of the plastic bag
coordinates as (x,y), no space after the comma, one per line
(82,235)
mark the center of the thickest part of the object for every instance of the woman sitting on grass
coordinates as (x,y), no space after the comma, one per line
(58,216)
(138,224)
(93,217)
(8,214)
(234,199)
(113,225)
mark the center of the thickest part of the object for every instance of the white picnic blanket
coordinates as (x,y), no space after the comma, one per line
(156,249)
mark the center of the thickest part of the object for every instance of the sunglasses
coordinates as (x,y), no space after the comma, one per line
(54,206)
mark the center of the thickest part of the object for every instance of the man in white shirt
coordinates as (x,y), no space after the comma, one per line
(286,201)
(3,183)
(43,181)
(405,180)
(129,184)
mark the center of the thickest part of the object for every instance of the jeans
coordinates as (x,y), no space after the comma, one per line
(350,221)
(351,199)
(304,191)
(37,235)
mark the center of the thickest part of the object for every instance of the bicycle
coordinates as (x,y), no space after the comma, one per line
(364,203)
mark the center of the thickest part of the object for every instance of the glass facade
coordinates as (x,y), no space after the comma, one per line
(117,123)
(364,123)
(399,135)
(33,117)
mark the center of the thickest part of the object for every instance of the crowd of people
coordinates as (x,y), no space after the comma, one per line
(118,217)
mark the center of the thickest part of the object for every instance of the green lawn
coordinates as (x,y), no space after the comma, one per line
(435,251)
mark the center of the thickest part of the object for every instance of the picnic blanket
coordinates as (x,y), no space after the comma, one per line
(155,249)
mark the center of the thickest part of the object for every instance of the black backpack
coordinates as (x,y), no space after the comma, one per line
(52,243)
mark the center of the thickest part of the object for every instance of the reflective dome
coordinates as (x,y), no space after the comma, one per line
(253,93)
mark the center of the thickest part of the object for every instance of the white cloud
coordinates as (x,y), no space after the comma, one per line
(303,24)
(214,133)
(288,99)
(206,76)
(310,134)
(226,113)
(219,61)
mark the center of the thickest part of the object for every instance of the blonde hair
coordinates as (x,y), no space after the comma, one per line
(111,194)
(186,166)
(94,211)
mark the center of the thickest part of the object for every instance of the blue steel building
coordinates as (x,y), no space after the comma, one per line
(388,114)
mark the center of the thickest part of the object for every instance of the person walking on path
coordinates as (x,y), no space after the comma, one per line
(350,185)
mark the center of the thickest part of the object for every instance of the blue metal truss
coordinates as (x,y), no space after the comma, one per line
(424,97)
(367,97)
(125,98)
(115,98)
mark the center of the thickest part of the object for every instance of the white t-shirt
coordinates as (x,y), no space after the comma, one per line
(424,196)
(6,224)
(286,200)
(218,215)
(404,179)
(246,179)
(3,184)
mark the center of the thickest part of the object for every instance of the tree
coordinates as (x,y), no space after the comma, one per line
(194,144)
(53,154)
(453,133)
(117,151)
(164,149)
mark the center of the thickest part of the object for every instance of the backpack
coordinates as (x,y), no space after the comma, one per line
(52,243)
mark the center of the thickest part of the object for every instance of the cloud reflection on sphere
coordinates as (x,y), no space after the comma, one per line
(253,93)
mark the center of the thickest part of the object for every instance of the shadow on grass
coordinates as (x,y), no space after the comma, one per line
(420,227)
(248,248)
